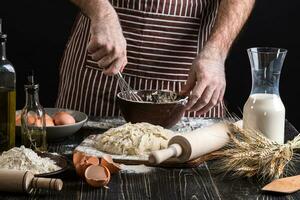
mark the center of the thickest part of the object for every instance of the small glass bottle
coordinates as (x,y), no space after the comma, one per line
(7,98)
(33,121)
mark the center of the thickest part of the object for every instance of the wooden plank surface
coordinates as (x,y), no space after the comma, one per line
(160,183)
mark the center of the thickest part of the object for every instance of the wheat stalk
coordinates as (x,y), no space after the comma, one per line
(249,154)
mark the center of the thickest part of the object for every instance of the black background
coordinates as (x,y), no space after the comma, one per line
(38,31)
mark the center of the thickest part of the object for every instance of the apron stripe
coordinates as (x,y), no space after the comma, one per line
(87,92)
(75,50)
(66,58)
(160,38)
(97,94)
(157,6)
(71,59)
(210,19)
(160,51)
(187,49)
(146,84)
(66,62)
(93,88)
(81,60)
(176,8)
(109,97)
(115,97)
(140,84)
(83,82)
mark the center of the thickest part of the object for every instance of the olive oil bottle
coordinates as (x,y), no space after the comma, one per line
(7,98)
(33,121)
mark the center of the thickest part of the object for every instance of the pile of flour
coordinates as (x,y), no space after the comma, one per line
(21,158)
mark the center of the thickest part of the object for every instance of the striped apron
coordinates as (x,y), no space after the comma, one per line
(163,37)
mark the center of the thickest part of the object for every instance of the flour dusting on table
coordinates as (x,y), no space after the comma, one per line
(136,169)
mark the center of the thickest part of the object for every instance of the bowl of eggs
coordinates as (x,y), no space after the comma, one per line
(60,123)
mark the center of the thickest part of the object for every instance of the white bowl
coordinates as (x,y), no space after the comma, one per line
(61,131)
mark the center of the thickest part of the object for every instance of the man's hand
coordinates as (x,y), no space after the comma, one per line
(107,45)
(206,82)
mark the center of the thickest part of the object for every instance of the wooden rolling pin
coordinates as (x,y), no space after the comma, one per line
(194,144)
(24,181)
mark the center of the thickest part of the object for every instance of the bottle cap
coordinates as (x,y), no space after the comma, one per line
(30,80)
(30,77)
(2,36)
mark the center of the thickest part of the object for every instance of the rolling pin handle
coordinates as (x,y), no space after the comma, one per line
(157,157)
(47,183)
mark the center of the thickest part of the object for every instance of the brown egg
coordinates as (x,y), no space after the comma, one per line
(38,122)
(48,117)
(49,120)
(18,120)
(63,118)
(84,163)
(97,175)
(31,120)
(77,156)
(107,161)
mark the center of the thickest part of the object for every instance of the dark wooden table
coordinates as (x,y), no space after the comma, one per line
(160,183)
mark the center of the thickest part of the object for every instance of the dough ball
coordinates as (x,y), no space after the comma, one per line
(134,139)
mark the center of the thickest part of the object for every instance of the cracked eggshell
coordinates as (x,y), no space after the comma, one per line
(84,163)
(107,161)
(97,175)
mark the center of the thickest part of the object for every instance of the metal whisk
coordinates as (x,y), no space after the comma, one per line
(126,89)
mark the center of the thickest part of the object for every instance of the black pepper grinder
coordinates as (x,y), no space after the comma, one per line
(33,121)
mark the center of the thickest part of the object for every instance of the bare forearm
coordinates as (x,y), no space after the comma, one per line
(231,17)
(94,9)
(206,82)
(107,44)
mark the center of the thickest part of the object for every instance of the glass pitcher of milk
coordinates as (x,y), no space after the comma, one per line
(264,110)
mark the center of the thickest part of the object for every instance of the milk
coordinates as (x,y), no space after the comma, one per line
(266,113)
